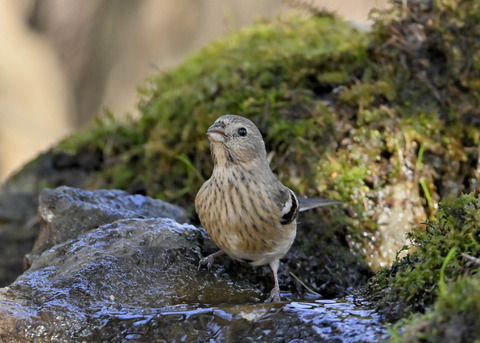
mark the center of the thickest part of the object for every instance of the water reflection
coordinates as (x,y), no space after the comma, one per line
(348,319)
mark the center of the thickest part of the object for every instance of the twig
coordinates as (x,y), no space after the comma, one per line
(303,284)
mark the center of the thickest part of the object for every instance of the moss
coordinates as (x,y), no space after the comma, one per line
(264,72)
(415,282)
(454,318)
(437,101)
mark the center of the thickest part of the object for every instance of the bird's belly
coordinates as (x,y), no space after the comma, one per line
(244,240)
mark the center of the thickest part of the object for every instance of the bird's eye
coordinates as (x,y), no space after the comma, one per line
(242,131)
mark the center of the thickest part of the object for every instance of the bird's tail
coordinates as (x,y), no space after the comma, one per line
(309,203)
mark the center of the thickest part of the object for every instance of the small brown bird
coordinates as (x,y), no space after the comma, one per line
(247,212)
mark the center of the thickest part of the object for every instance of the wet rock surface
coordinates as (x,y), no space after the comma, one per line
(131,263)
(67,212)
(137,279)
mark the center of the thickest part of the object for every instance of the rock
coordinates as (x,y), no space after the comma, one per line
(399,209)
(19,225)
(129,266)
(138,280)
(67,212)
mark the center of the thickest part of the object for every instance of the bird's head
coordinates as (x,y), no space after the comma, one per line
(235,139)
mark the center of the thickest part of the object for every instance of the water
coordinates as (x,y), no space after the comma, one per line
(347,320)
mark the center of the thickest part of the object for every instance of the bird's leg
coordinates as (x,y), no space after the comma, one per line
(209,259)
(275,293)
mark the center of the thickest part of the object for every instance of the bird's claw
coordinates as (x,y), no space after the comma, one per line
(209,259)
(274,295)
(206,260)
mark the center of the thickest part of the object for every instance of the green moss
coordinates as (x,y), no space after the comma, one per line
(454,317)
(414,282)
(264,72)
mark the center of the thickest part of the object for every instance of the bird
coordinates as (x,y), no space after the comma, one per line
(247,212)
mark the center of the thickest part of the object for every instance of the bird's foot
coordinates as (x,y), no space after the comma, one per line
(274,295)
(209,259)
(206,260)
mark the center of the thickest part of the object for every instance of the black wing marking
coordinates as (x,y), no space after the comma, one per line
(290,209)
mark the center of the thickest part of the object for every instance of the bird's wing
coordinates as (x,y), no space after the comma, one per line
(289,207)
(309,203)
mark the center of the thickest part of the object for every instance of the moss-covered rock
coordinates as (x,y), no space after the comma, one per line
(453,319)
(440,278)
(274,73)
(413,283)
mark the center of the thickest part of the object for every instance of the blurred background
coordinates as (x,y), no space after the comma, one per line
(64,61)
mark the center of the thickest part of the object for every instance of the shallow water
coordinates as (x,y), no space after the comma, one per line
(341,320)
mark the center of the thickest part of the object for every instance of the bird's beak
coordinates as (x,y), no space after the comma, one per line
(216,133)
